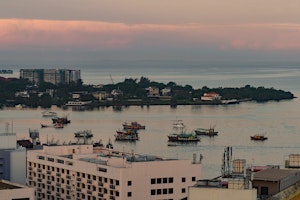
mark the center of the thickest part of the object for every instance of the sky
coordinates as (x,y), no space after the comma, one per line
(90,31)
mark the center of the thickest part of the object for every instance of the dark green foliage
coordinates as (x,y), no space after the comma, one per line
(130,89)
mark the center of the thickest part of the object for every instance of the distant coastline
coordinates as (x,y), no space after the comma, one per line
(23,93)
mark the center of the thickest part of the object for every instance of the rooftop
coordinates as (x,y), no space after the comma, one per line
(4,185)
(273,174)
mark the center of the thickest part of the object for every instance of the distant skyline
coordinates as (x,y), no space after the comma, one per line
(90,31)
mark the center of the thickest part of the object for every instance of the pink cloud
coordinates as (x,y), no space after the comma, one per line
(15,33)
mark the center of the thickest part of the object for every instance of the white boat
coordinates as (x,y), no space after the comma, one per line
(178,124)
(48,113)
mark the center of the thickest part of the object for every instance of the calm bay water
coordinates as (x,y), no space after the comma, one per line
(235,123)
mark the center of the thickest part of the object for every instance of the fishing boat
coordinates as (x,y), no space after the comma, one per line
(58,125)
(48,113)
(258,137)
(62,120)
(127,135)
(206,131)
(183,137)
(133,125)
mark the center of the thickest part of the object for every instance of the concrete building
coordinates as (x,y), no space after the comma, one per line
(54,76)
(84,172)
(12,159)
(272,181)
(13,191)
(33,75)
(153,92)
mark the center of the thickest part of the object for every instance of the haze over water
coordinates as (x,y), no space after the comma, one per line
(235,123)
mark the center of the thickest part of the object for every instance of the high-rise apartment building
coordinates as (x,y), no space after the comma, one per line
(84,172)
(54,76)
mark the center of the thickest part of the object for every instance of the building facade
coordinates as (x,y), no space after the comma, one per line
(84,172)
(54,76)
(12,159)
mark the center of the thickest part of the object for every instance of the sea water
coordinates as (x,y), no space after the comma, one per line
(279,121)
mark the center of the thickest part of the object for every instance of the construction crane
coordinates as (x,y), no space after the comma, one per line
(112,81)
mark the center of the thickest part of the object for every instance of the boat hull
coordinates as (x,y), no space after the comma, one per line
(207,132)
(182,138)
(258,138)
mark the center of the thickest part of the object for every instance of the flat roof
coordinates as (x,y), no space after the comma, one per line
(4,185)
(273,174)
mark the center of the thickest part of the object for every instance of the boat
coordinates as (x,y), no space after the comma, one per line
(62,120)
(183,137)
(47,113)
(206,131)
(133,125)
(258,137)
(83,134)
(127,135)
(46,125)
(58,125)
(178,124)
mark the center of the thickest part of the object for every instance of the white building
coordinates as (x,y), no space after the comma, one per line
(84,172)
(211,96)
(12,159)
(13,191)
(153,92)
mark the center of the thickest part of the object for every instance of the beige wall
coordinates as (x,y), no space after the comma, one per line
(198,193)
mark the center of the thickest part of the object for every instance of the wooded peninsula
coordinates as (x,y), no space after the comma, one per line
(131,91)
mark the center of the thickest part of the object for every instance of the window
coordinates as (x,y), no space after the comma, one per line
(193,178)
(165,191)
(183,179)
(171,191)
(264,190)
(129,194)
(158,191)
(158,180)
(101,169)
(152,192)
(129,183)
(165,180)
(41,157)
(60,161)
(182,190)
(153,181)
(171,180)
